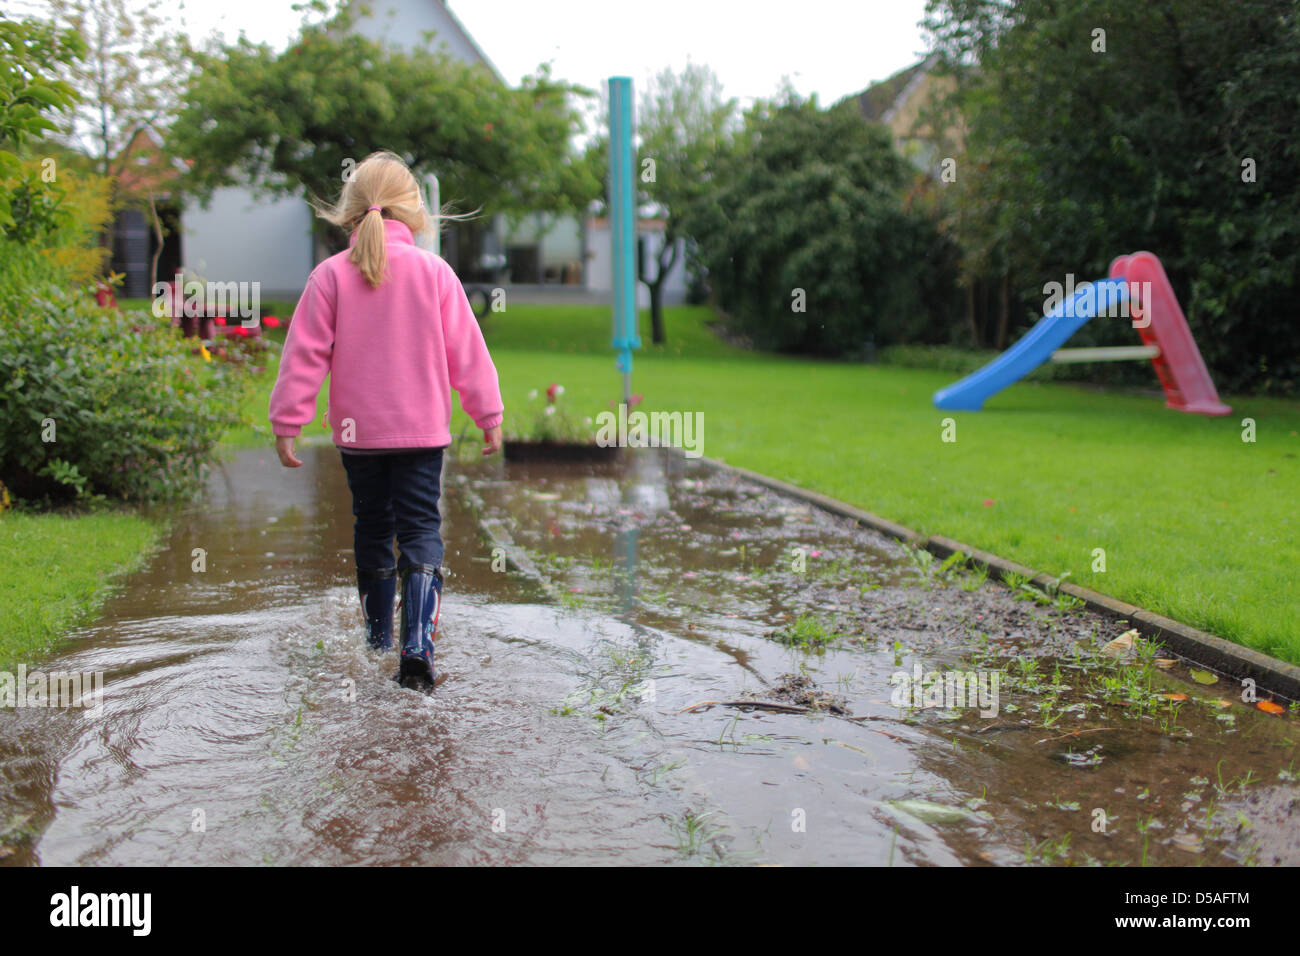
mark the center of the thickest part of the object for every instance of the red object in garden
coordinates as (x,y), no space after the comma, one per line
(555,389)
(104,296)
(220,320)
(1179,366)
(271,322)
(240,331)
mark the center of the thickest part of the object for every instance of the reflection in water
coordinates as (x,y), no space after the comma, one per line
(625,551)
(244,721)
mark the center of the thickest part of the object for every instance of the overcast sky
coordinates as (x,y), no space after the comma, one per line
(830,47)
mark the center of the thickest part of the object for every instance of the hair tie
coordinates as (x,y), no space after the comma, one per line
(374,208)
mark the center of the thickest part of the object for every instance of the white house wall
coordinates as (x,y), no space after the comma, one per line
(600,276)
(561,245)
(240,238)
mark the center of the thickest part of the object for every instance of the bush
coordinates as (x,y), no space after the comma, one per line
(53,232)
(100,402)
(813,200)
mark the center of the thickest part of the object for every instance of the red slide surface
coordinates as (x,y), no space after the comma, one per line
(1182,371)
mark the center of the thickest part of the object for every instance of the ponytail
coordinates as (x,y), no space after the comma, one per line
(369,253)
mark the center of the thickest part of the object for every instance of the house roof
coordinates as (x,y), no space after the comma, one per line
(903,103)
(146,168)
(471,41)
(458,35)
(879,101)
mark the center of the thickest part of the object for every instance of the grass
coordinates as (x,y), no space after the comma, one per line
(57,570)
(1189,520)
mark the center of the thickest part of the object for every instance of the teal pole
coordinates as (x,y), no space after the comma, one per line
(622,208)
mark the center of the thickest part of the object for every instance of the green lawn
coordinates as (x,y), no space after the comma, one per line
(1195,523)
(57,570)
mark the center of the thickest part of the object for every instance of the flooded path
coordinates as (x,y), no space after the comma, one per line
(602,628)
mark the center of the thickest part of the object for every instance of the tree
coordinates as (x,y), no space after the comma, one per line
(805,235)
(127,82)
(1099,127)
(681,122)
(128,78)
(290,122)
(31,56)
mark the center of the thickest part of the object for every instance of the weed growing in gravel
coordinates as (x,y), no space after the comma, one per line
(806,632)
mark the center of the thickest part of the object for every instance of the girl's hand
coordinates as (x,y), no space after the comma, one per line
(491,441)
(284,448)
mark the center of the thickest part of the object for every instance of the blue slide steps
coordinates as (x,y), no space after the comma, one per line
(1049,334)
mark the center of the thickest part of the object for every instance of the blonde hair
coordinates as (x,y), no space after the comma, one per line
(380,180)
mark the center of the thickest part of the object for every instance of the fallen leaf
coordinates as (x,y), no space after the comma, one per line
(1221,704)
(1268,707)
(1203,677)
(1121,645)
(1174,697)
(865,753)
(1164,663)
(928,812)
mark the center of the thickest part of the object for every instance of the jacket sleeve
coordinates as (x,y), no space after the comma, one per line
(308,350)
(469,365)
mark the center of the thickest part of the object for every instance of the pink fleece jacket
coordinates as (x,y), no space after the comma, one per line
(393,353)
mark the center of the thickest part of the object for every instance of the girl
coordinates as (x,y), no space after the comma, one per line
(390,323)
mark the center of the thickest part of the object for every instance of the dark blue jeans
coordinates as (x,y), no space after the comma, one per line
(396,495)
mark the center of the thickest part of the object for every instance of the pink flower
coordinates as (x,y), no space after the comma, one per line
(219,320)
(271,322)
(988,502)
(554,392)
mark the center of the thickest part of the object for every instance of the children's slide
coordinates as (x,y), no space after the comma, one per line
(1138,279)
(1034,349)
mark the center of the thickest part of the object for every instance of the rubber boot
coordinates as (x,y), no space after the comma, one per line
(421,600)
(377,590)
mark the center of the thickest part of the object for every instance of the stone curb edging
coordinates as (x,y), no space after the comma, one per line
(1200,647)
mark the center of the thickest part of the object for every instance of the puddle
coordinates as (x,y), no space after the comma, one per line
(603,630)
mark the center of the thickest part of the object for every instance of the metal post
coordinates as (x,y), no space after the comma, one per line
(433,202)
(622,209)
